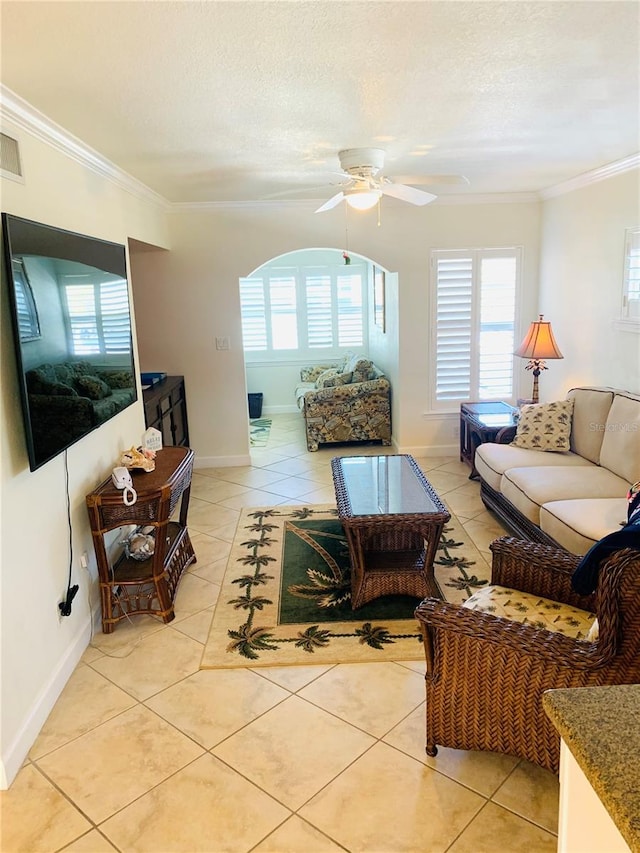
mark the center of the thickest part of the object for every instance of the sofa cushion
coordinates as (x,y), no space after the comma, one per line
(532,610)
(92,387)
(492,460)
(620,451)
(590,410)
(529,488)
(361,368)
(44,381)
(545,426)
(332,378)
(578,524)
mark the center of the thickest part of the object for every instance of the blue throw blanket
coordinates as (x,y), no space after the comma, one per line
(585,578)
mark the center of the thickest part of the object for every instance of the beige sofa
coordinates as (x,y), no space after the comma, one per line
(574,497)
(349,400)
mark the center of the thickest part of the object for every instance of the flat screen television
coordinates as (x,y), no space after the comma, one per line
(71,318)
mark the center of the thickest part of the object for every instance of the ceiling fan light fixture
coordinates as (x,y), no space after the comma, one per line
(362,199)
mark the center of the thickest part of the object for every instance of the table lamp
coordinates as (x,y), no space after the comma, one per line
(538,344)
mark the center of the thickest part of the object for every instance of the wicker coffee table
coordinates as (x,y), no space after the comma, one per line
(393,521)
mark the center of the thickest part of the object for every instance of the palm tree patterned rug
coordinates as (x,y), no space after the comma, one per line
(286,596)
(259,429)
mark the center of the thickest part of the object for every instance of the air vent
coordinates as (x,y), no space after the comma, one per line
(10,156)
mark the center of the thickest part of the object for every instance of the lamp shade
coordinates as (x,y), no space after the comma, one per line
(539,342)
(362,199)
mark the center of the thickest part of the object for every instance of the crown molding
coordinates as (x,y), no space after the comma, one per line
(20,113)
(24,116)
(592,177)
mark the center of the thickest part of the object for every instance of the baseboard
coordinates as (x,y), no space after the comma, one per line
(281,410)
(437,450)
(17,751)
(221,461)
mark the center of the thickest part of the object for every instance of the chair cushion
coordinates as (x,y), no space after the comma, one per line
(545,427)
(532,610)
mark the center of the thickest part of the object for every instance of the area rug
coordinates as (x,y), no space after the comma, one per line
(286,598)
(259,429)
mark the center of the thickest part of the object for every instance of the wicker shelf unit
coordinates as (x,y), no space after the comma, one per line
(129,586)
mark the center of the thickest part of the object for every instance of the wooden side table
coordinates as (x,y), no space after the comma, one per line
(129,586)
(481,422)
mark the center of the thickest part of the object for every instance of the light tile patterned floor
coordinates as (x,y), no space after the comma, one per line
(146,752)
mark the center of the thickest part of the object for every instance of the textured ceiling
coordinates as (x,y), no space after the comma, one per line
(224,101)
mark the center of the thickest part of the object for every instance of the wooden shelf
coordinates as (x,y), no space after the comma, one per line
(130,586)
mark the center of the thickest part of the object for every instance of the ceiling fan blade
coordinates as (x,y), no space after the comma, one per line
(430,180)
(333,201)
(409,194)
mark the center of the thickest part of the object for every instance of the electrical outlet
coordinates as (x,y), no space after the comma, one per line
(455,431)
(84,560)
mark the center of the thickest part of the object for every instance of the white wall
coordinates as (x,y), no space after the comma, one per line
(39,650)
(581,285)
(194,292)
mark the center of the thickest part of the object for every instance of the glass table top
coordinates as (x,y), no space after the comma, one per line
(385,485)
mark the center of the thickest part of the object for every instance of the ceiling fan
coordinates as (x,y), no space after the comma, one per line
(365,184)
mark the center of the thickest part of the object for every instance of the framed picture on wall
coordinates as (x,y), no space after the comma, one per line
(378,297)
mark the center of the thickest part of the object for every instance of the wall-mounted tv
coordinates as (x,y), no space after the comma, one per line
(71,320)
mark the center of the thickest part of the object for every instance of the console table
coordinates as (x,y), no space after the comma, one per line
(393,521)
(127,585)
(481,422)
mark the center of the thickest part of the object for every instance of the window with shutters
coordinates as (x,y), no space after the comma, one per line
(631,281)
(304,311)
(474,297)
(98,315)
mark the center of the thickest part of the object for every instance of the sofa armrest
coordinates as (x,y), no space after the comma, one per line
(538,569)
(347,394)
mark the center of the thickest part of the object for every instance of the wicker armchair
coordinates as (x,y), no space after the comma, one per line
(486,675)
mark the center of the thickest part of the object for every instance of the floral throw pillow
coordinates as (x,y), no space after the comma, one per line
(545,426)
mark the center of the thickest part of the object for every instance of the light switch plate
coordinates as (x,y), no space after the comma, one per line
(223,343)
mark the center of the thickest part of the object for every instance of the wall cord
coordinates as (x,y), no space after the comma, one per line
(65,606)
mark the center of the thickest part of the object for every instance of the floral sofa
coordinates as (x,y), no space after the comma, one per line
(349,400)
(70,398)
(565,477)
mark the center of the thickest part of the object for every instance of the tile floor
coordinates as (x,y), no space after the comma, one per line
(146,752)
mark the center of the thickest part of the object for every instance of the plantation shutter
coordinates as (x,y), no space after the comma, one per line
(474,298)
(350,310)
(98,317)
(28,325)
(254,317)
(284,315)
(114,312)
(319,313)
(454,302)
(497,314)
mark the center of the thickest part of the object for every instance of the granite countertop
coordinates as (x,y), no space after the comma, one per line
(601,727)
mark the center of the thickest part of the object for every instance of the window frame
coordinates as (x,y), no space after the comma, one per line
(626,322)
(476,255)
